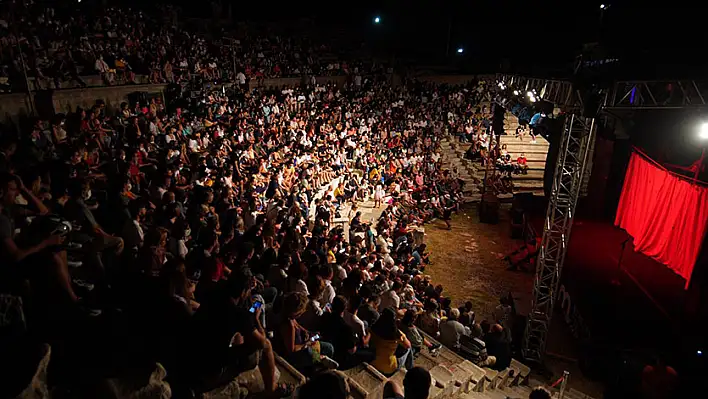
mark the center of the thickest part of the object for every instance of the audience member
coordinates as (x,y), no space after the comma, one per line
(416,385)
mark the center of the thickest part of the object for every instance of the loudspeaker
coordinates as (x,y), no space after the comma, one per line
(522,200)
(489,209)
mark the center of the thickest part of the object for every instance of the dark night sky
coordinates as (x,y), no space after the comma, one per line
(531,34)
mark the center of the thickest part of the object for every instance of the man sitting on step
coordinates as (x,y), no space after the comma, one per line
(522,164)
(464,341)
(416,385)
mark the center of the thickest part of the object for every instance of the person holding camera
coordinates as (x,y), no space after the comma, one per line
(17,258)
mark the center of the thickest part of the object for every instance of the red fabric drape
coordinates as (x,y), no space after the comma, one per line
(664,213)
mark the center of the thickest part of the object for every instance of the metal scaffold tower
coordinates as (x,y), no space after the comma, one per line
(576,145)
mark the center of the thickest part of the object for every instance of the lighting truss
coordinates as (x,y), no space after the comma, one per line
(658,94)
(576,145)
(577,142)
(559,92)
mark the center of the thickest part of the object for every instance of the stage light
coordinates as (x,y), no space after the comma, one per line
(703,132)
(377,20)
(602,6)
(699,353)
(460,50)
(516,92)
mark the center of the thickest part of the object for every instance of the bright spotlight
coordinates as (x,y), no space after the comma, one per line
(602,6)
(703,132)
(516,92)
(377,20)
(460,50)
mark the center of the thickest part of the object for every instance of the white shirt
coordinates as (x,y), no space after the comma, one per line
(300,286)
(355,323)
(193,145)
(328,294)
(178,248)
(341,273)
(101,66)
(133,234)
(389,300)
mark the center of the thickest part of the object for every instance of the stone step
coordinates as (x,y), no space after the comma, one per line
(529,153)
(521,371)
(511,138)
(472,198)
(368,380)
(530,156)
(527,148)
(572,393)
(531,174)
(527,145)
(487,395)
(535,164)
(528,184)
(476,375)
(288,373)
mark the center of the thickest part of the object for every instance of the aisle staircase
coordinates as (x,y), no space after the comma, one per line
(453,153)
(468,173)
(454,377)
(535,154)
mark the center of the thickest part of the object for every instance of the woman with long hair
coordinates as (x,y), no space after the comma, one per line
(297,275)
(393,349)
(153,254)
(300,347)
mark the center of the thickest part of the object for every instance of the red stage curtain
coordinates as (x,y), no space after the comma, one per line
(665,214)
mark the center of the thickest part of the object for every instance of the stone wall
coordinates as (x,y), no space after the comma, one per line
(65,101)
(454,79)
(13,107)
(90,80)
(280,82)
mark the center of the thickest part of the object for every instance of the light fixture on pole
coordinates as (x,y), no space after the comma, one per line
(698,165)
(703,131)
(377,20)
(532,96)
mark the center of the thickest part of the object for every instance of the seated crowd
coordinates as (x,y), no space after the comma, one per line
(206,238)
(65,42)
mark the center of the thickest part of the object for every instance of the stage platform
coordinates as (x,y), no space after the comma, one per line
(640,312)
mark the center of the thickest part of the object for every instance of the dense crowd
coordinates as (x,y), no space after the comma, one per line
(60,45)
(208,238)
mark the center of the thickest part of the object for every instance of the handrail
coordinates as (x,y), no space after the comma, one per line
(564,382)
